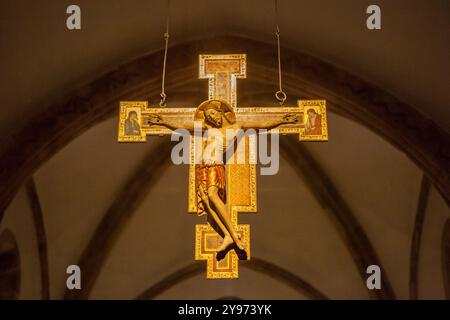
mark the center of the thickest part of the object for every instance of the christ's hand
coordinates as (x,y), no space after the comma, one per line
(155,120)
(289,118)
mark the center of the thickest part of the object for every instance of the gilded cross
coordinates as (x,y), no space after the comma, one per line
(222,72)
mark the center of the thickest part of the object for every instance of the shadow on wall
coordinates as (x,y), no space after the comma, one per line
(9,266)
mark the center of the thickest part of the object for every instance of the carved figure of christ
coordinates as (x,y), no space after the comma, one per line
(219,130)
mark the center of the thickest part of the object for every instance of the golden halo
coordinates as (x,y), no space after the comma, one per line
(216,104)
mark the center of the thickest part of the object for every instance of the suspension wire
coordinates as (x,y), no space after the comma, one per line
(280,94)
(163,95)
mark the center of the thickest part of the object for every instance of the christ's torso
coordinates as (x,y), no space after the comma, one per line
(215,143)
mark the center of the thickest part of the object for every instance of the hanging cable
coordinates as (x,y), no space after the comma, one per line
(280,95)
(163,95)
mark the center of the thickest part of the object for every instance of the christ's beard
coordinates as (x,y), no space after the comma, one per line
(215,123)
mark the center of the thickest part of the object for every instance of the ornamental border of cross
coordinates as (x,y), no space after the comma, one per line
(222,72)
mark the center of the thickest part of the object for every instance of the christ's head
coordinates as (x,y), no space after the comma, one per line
(213,114)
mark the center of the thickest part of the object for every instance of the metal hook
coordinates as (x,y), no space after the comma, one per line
(162,103)
(281,96)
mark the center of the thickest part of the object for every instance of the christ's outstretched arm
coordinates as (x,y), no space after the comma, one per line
(288,118)
(172,124)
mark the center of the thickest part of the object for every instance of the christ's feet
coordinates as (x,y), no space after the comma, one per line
(240,244)
(227,241)
(227,244)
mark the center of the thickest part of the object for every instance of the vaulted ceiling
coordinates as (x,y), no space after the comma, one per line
(41,59)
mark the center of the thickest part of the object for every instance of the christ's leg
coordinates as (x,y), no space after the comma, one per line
(224,215)
(227,240)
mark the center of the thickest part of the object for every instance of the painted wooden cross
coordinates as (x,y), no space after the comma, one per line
(222,72)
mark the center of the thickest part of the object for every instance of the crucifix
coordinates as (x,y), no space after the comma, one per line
(222,191)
